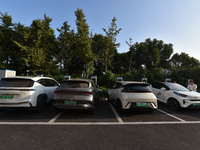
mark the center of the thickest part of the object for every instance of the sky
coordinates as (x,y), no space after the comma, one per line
(172,21)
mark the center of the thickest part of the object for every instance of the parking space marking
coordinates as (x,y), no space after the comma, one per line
(119,119)
(100,123)
(56,117)
(171,115)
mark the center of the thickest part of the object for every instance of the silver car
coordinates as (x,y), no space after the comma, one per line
(76,94)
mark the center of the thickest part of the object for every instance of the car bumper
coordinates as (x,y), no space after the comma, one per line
(16,104)
(143,105)
(190,103)
(79,104)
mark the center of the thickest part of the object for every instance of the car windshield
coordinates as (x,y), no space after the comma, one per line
(137,88)
(13,82)
(74,84)
(175,86)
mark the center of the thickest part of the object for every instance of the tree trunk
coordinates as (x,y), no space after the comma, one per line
(106,60)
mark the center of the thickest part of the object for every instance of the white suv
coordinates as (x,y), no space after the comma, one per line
(33,92)
(132,95)
(175,95)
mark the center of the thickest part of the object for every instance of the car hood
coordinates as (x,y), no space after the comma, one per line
(190,93)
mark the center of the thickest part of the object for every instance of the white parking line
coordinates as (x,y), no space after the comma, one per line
(119,119)
(100,123)
(171,115)
(56,117)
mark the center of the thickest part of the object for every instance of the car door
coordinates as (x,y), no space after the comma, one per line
(158,91)
(51,85)
(114,92)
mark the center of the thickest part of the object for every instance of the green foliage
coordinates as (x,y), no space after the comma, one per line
(59,77)
(107,80)
(183,60)
(103,92)
(66,46)
(111,47)
(112,31)
(101,47)
(83,44)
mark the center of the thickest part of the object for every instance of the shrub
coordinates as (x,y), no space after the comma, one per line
(107,80)
(103,92)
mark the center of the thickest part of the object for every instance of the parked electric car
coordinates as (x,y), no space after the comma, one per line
(132,95)
(175,95)
(76,94)
(27,92)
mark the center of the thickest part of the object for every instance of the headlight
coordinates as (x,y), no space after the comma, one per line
(179,94)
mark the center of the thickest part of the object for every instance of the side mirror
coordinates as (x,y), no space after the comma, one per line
(164,89)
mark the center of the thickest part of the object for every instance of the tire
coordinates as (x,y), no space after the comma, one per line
(119,106)
(41,104)
(93,109)
(174,104)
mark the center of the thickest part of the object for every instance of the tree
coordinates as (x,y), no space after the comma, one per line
(183,60)
(83,51)
(6,35)
(39,46)
(152,54)
(100,46)
(110,50)
(131,53)
(66,42)
(112,31)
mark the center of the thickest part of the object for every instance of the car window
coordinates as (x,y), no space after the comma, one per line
(137,88)
(54,83)
(13,82)
(48,82)
(175,86)
(75,84)
(158,85)
(42,82)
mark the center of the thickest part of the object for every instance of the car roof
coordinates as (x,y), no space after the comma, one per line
(27,77)
(131,82)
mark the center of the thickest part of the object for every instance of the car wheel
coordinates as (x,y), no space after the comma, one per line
(174,104)
(93,109)
(41,104)
(119,106)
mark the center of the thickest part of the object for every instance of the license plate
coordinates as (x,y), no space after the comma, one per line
(6,97)
(196,104)
(141,104)
(70,103)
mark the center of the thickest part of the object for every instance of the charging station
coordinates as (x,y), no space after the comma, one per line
(94,78)
(67,77)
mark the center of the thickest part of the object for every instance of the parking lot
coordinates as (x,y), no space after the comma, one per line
(106,129)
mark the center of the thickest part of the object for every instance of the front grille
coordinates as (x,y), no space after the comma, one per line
(194,100)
